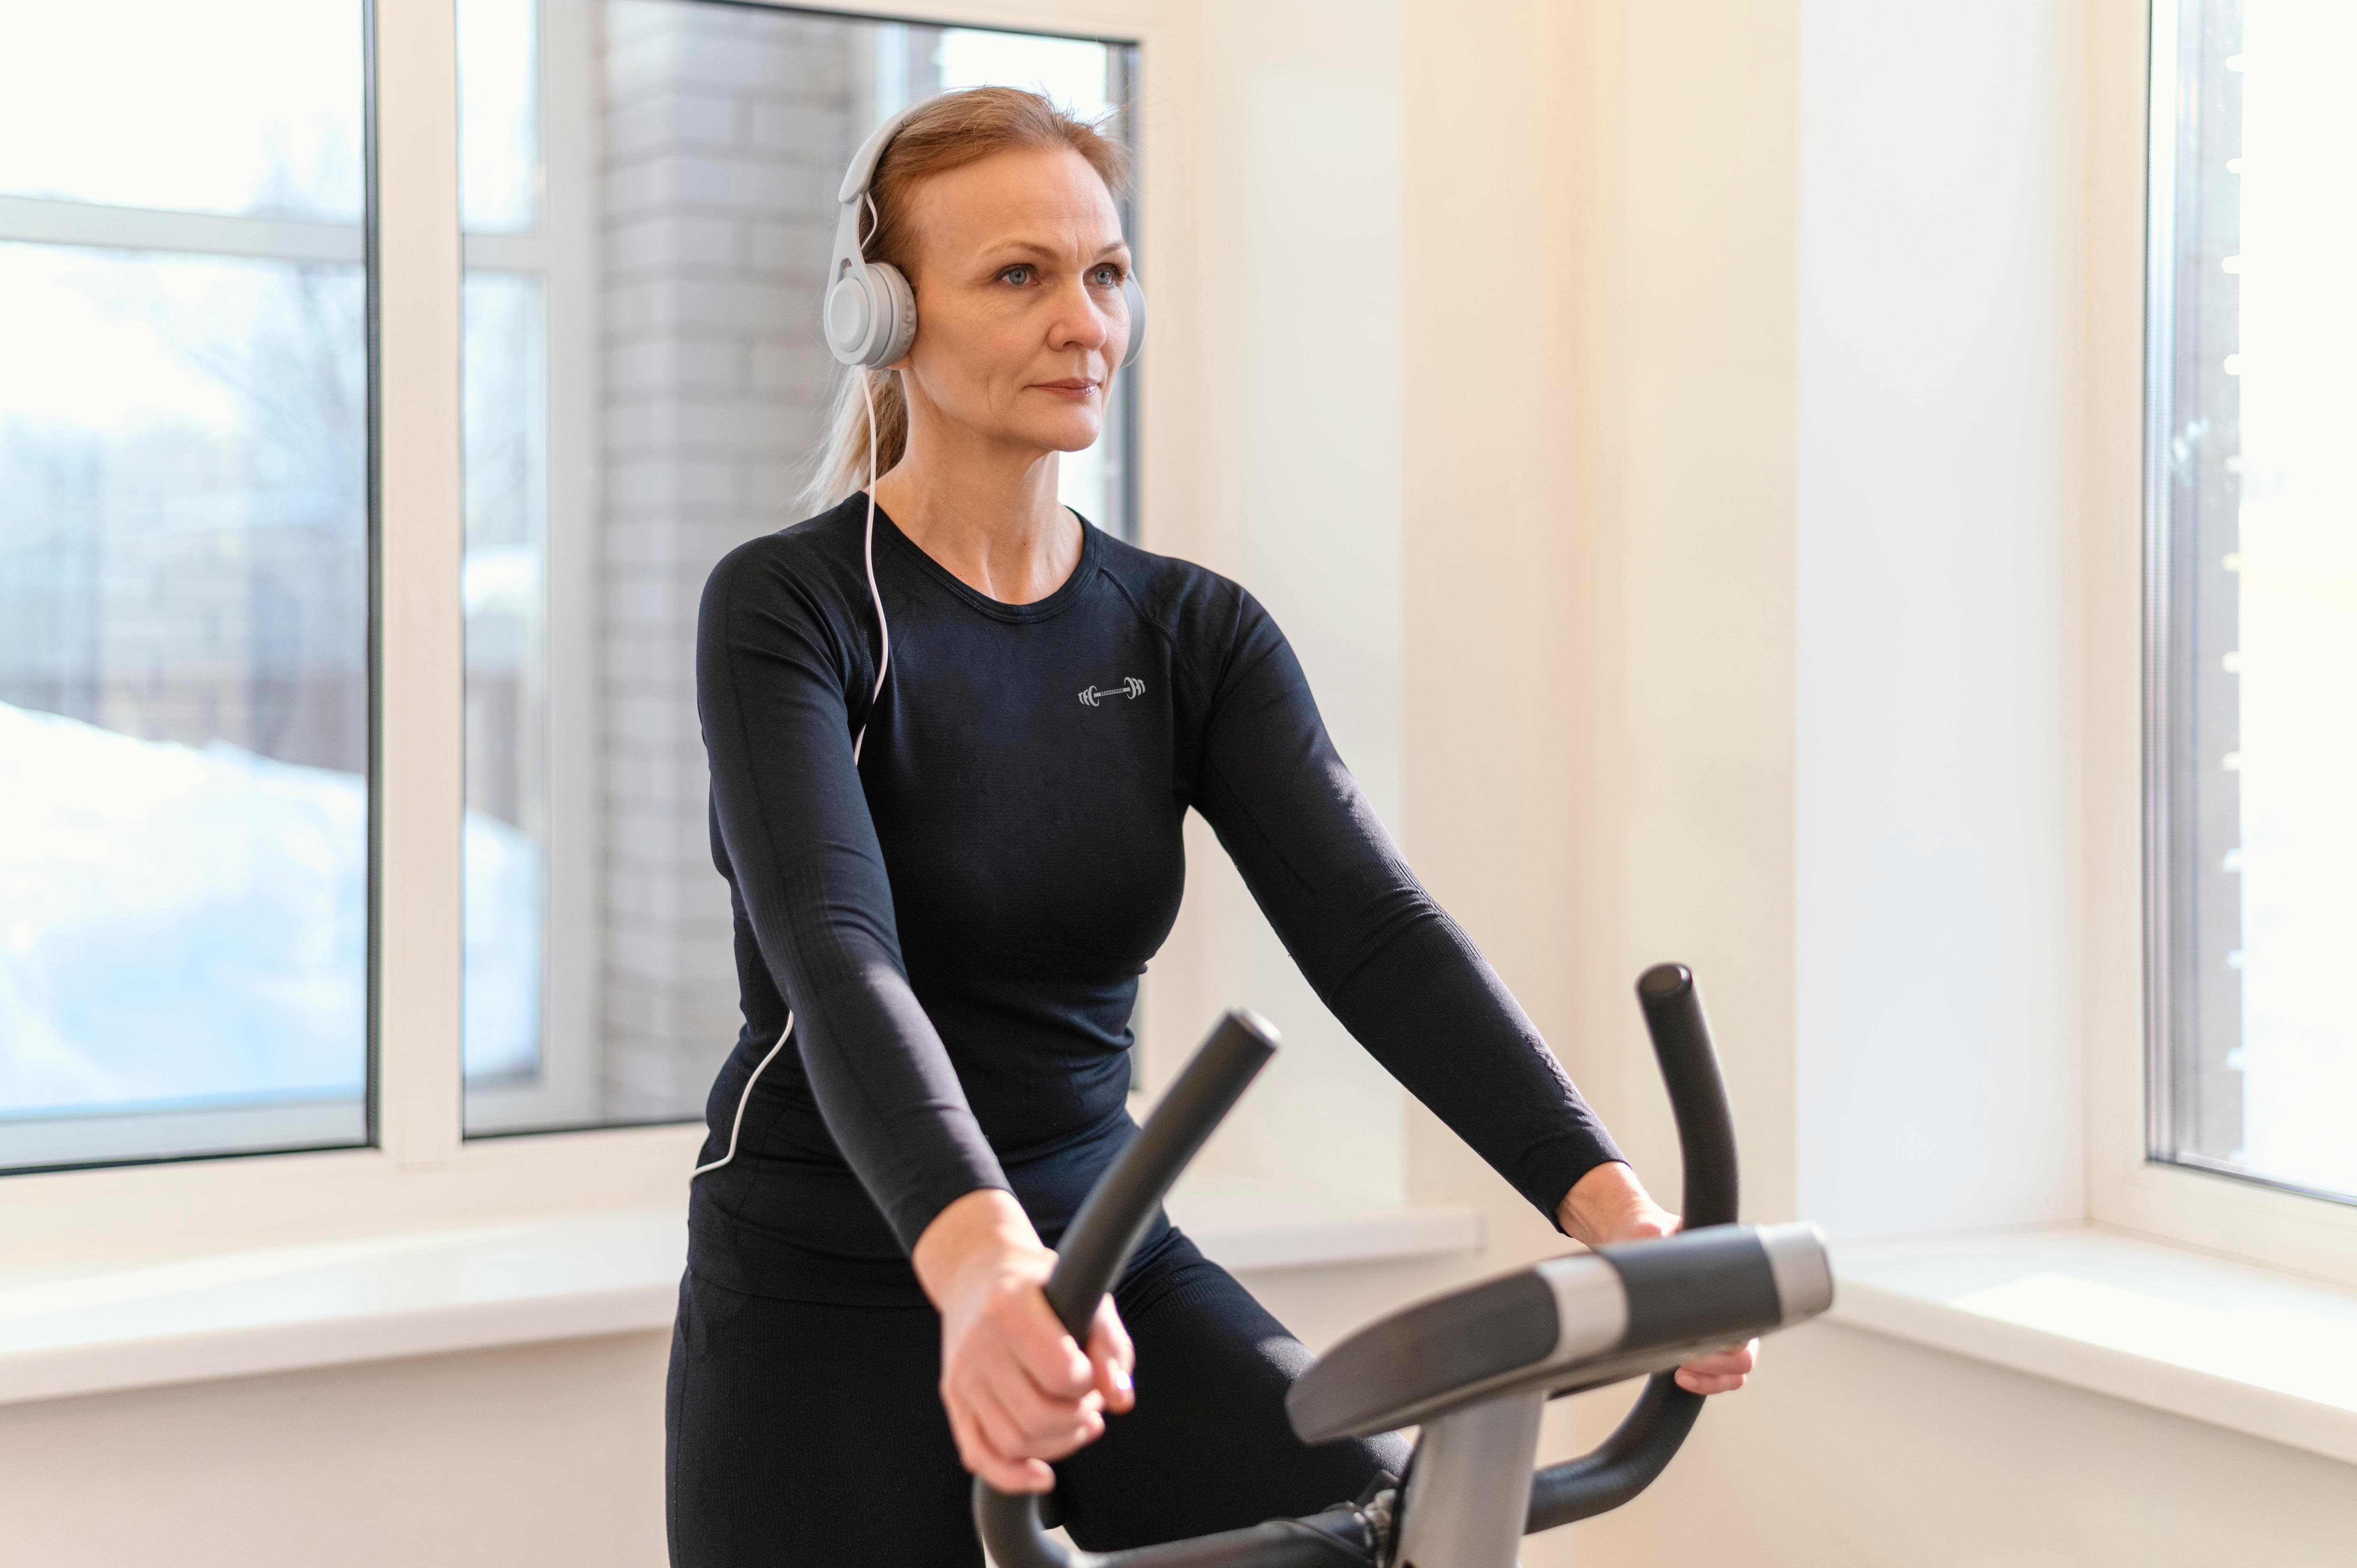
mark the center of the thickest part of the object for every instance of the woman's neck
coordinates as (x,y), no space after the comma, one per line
(987,513)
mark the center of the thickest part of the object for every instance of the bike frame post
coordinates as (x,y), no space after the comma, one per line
(1469,1486)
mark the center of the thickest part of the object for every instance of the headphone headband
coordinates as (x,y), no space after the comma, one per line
(862,172)
(848,254)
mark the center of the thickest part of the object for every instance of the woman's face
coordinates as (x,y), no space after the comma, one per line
(1020,320)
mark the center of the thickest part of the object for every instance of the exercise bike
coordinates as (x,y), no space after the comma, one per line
(1472,1369)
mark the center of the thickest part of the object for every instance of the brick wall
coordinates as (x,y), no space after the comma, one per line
(726,131)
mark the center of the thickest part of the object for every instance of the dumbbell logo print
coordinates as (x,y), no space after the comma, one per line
(1132,687)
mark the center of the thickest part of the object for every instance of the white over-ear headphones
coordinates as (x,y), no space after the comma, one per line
(870,316)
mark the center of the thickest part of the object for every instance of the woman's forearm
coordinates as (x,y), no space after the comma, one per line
(979,1233)
(1610,1204)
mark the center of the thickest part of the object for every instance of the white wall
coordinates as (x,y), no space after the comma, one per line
(1940,423)
(1599,505)
(544,1454)
(1856,1450)
(1284,476)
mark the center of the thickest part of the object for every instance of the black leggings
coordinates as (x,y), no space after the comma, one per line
(801,1433)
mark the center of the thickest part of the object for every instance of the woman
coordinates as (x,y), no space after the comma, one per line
(952,864)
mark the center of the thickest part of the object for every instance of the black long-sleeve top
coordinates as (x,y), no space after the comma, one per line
(959,920)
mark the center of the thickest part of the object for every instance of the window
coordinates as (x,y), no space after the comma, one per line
(184,794)
(189,788)
(647,189)
(2250,587)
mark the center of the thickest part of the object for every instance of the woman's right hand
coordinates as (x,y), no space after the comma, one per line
(1019,1391)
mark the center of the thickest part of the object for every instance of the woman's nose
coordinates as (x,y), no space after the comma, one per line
(1080,322)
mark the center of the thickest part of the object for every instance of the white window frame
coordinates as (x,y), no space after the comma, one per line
(560,252)
(2130,261)
(423,1173)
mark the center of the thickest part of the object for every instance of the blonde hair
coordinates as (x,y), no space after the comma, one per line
(950,132)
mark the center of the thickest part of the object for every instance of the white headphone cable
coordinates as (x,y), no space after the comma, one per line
(738,1124)
(883,664)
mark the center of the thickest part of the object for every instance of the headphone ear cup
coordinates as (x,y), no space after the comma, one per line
(1134,297)
(896,302)
(870,316)
(847,317)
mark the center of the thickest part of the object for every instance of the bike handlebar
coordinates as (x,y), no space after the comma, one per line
(1118,1212)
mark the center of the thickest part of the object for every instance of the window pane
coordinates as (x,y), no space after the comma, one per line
(183,704)
(506,826)
(498,109)
(2260,558)
(644,384)
(235,106)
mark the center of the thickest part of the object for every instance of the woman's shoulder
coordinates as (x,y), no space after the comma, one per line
(1218,633)
(811,560)
(1192,604)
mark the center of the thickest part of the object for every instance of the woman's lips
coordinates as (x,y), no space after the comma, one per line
(1075,389)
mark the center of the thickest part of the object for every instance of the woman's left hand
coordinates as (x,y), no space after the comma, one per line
(1610,1204)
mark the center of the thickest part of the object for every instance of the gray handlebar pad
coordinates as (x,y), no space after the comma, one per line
(1564,1324)
(1096,1245)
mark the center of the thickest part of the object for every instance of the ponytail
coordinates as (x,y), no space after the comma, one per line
(840,466)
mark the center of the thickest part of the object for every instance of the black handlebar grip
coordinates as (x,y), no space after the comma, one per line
(1102,1236)
(1622,1466)
(1673,1009)
(1114,1218)
(1646,1440)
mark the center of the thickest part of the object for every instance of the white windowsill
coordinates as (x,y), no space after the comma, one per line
(282,1309)
(2238,1346)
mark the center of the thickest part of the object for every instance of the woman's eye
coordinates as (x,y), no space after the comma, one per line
(1016,274)
(1106,276)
